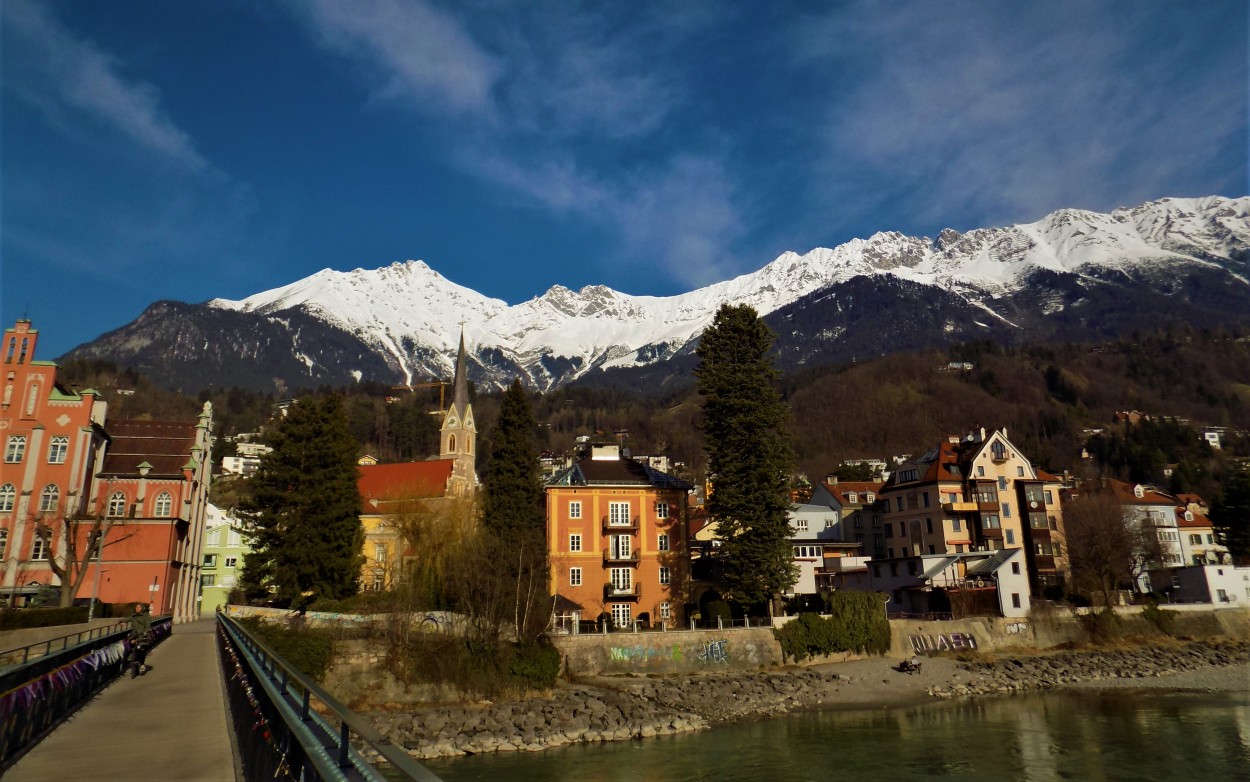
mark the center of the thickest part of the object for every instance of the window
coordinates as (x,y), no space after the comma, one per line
(889,530)
(955,525)
(666,575)
(575,541)
(575,576)
(999,450)
(903,551)
(1002,482)
(235,539)
(210,560)
(898,503)
(661,510)
(851,497)
(1048,549)
(1011,536)
(208,580)
(1015,568)
(800,525)
(16,449)
(1006,510)
(807,552)
(620,546)
(911,568)
(980,471)
(4,542)
(1019,474)
(666,611)
(869,498)
(1038,521)
(928,524)
(1050,498)
(38,550)
(876,571)
(117,504)
(164,505)
(58,447)
(622,579)
(232,562)
(1015,599)
(990,521)
(620,615)
(48,498)
(1195,540)
(378,584)
(575,510)
(1221,595)
(925,499)
(859,522)
(618,514)
(379,552)
(662,542)
(894,568)
(1211,539)
(889,554)
(8,493)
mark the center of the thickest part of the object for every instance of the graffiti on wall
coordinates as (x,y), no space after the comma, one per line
(942,642)
(1016,628)
(713,652)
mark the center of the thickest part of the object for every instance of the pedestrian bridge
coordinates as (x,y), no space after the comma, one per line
(216,705)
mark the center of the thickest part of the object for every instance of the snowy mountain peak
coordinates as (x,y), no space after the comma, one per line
(410,314)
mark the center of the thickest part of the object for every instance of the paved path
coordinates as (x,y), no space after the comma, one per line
(168,725)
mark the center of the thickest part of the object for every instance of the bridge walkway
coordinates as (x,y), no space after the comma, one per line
(170,724)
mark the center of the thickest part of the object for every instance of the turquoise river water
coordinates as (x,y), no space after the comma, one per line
(1141,737)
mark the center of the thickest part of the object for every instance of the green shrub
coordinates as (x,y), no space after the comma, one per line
(718,608)
(535,666)
(363,603)
(1101,626)
(307,650)
(1163,620)
(19,618)
(856,623)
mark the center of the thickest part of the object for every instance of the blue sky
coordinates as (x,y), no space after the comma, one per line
(155,150)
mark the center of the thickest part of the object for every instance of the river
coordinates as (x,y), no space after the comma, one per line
(1139,737)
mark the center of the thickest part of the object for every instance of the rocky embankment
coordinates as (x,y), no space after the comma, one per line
(1020,674)
(618,708)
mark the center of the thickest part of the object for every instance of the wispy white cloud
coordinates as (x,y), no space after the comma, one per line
(61,72)
(1002,115)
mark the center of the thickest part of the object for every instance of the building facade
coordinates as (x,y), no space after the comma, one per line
(222,567)
(616,539)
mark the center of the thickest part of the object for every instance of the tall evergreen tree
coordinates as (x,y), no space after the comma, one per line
(304,510)
(749,455)
(512,502)
(513,517)
(1231,515)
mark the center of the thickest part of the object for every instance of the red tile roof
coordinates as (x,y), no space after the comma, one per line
(842,488)
(405,480)
(166,445)
(1198,519)
(1124,493)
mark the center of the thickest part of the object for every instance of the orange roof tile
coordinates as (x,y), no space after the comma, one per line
(404,480)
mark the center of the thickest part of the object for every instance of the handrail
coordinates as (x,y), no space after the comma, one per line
(91,633)
(313,732)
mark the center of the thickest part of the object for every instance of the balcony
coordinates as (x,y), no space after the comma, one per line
(630,525)
(990,506)
(617,559)
(963,506)
(1043,563)
(613,592)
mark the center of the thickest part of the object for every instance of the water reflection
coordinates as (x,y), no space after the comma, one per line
(1102,738)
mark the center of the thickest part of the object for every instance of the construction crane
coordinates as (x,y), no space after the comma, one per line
(442,388)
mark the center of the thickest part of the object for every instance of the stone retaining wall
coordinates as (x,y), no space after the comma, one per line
(675,651)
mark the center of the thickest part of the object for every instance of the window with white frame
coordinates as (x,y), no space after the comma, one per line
(164,505)
(575,576)
(666,575)
(621,615)
(234,539)
(117,504)
(662,542)
(48,498)
(807,552)
(620,546)
(622,579)
(618,514)
(575,541)
(800,524)
(8,495)
(208,580)
(575,509)
(58,447)
(15,450)
(661,510)
(666,611)
(232,562)
(210,560)
(379,552)
(38,550)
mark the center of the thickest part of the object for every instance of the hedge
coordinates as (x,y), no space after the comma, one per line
(856,623)
(19,618)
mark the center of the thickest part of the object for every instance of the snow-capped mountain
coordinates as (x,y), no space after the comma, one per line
(401,323)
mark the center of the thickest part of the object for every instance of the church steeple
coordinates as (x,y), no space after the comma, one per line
(458,438)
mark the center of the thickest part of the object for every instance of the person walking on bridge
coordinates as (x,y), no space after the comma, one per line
(140,639)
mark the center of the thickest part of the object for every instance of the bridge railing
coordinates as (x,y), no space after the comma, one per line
(23,654)
(288,726)
(39,694)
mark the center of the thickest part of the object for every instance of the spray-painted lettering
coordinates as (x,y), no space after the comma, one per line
(943,642)
(715,652)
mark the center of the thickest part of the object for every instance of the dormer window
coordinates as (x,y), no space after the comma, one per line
(1189,515)
(870,497)
(1139,491)
(852,497)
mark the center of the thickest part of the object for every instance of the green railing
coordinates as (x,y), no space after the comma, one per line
(287,726)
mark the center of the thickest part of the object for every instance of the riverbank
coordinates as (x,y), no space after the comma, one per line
(628,707)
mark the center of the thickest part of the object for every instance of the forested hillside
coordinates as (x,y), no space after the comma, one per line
(1046,396)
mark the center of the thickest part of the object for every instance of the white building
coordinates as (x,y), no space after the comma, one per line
(934,583)
(1224,586)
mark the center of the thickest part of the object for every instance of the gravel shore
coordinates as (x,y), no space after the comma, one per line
(629,707)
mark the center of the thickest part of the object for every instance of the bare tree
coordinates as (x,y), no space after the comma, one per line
(1106,548)
(73,542)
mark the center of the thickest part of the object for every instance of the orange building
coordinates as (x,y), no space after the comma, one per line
(66,471)
(616,538)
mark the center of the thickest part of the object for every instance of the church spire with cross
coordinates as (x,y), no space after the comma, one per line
(458,438)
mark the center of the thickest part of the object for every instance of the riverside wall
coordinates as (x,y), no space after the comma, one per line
(674,651)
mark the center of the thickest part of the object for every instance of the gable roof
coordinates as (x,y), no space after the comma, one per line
(841,489)
(165,445)
(624,471)
(403,480)
(1125,494)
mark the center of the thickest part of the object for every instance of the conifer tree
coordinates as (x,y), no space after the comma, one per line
(513,517)
(1231,515)
(749,455)
(304,510)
